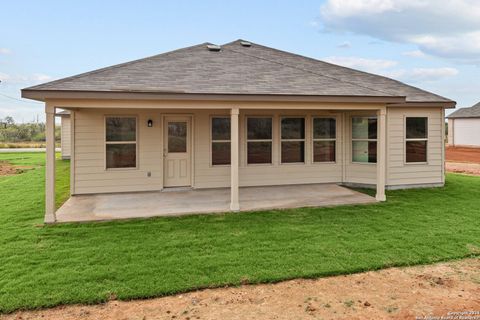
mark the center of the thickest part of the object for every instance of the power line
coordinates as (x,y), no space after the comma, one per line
(13,98)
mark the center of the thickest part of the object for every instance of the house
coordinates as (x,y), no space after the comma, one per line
(241,115)
(65,133)
(464,127)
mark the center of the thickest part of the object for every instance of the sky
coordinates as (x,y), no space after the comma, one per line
(431,44)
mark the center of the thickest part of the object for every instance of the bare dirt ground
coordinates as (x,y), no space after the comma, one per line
(396,293)
(7,169)
(463,160)
(462,167)
(461,154)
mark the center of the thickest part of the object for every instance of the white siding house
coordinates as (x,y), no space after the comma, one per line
(464,127)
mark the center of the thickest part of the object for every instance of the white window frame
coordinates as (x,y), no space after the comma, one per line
(366,139)
(212,141)
(330,139)
(258,140)
(120,142)
(304,140)
(415,139)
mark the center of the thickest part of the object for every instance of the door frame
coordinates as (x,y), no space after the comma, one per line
(163,118)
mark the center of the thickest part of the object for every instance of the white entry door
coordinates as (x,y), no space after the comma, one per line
(177,151)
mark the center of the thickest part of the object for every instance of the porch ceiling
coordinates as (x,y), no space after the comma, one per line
(176,203)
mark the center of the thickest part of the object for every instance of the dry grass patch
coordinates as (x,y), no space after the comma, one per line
(7,169)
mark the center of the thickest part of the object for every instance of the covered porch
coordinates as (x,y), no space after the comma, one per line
(240,115)
(179,202)
(233,187)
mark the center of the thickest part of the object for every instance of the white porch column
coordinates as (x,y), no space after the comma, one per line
(381,154)
(50,164)
(234,145)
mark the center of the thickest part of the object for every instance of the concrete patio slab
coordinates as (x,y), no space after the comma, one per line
(183,202)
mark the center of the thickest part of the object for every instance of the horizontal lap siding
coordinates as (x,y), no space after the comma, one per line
(290,174)
(362,173)
(90,173)
(207,176)
(91,176)
(400,173)
(466,132)
(65,133)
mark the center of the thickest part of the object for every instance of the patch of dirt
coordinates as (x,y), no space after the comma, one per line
(396,293)
(462,154)
(462,167)
(6,169)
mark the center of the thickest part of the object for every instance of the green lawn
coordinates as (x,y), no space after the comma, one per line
(87,263)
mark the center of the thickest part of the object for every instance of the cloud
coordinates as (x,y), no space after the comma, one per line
(39,77)
(444,28)
(369,65)
(32,79)
(414,54)
(5,51)
(345,45)
(431,74)
(389,68)
(462,46)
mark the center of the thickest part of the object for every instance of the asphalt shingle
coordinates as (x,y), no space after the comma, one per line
(237,69)
(472,112)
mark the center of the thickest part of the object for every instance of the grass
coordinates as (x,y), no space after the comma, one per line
(43,266)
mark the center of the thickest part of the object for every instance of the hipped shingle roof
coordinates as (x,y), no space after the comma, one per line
(472,112)
(240,70)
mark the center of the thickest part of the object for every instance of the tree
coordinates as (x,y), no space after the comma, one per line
(9,120)
(23,132)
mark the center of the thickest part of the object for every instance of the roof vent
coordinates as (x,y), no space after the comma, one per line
(213,47)
(245,44)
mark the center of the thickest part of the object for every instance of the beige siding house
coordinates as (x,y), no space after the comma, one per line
(65,134)
(241,115)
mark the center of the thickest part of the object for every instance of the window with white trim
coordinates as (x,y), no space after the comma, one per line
(220,141)
(324,139)
(416,139)
(364,139)
(292,140)
(259,140)
(120,142)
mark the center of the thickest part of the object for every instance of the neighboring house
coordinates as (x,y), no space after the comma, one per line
(464,127)
(239,115)
(65,133)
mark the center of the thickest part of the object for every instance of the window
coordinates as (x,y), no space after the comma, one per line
(177,137)
(364,139)
(121,142)
(324,139)
(416,139)
(259,140)
(293,140)
(220,141)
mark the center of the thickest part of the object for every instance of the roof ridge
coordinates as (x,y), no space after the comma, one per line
(339,66)
(80,75)
(306,70)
